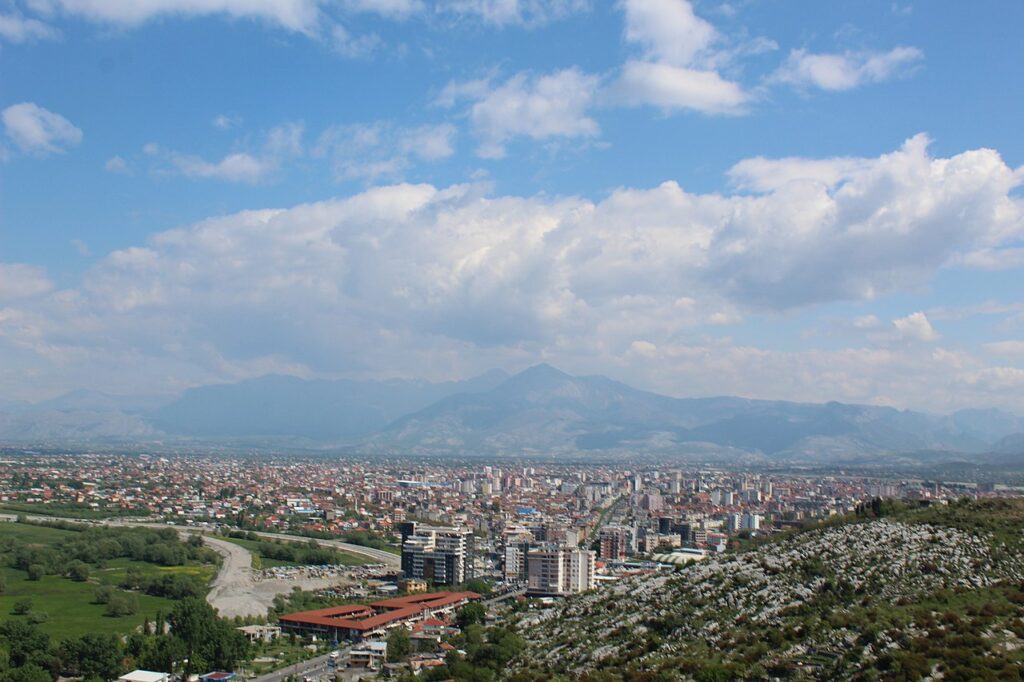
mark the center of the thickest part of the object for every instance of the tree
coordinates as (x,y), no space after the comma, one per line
(78,571)
(399,644)
(22,606)
(92,655)
(26,643)
(3,583)
(206,638)
(36,572)
(471,613)
(26,673)
(122,604)
(102,594)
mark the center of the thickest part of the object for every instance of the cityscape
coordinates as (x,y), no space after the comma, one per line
(511,341)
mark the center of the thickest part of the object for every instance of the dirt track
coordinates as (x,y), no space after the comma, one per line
(235,593)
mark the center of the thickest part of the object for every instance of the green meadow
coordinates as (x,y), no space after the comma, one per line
(66,608)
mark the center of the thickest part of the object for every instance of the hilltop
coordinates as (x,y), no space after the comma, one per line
(898,596)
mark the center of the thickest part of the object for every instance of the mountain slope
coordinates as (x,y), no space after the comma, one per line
(316,409)
(545,409)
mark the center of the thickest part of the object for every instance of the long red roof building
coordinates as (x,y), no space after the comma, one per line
(361,621)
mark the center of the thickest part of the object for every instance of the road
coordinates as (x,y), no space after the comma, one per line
(312,667)
(378,555)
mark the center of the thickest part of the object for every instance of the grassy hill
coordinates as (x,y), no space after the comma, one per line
(893,593)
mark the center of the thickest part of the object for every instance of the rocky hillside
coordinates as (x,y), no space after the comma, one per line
(937,592)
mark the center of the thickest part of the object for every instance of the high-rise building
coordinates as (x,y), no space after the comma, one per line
(614,542)
(515,559)
(439,555)
(560,570)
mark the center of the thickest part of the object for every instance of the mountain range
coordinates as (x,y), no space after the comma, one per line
(540,411)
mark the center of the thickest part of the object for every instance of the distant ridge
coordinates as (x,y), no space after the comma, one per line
(541,410)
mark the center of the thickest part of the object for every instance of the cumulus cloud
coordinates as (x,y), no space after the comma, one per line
(672,88)
(915,327)
(538,107)
(668,30)
(38,131)
(395,279)
(676,69)
(847,70)
(15,28)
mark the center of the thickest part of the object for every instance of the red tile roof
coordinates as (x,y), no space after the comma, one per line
(372,616)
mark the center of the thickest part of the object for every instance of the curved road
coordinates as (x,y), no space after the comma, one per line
(378,555)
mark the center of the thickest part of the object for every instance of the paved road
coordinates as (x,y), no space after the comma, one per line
(314,667)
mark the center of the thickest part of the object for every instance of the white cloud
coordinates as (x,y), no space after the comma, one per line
(395,279)
(226,121)
(915,327)
(238,167)
(392,9)
(766,175)
(668,30)
(677,68)
(295,15)
(280,144)
(20,281)
(847,70)
(994,259)
(15,28)
(539,107)
(38,131)
(117,164)
(513,12)
(382,150)
(672,88)
(353,47)
(429,142)
(1007,348)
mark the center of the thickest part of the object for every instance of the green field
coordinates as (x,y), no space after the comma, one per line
(261,561)
(68,605)
(70,511)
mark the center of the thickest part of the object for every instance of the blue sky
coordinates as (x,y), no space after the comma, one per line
(797,200)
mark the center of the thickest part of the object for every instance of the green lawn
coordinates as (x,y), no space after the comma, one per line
(68,605)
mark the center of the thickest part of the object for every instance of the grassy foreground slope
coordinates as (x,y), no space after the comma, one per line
(894,593)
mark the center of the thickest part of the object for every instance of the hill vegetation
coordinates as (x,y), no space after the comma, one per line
(890,593)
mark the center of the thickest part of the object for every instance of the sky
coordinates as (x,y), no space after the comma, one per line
(782,199)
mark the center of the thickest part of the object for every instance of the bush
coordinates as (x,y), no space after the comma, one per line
(36,572)
(102,594)
(78,572)
(122,604)
(22,606)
